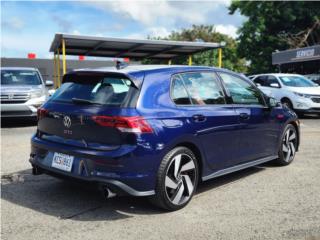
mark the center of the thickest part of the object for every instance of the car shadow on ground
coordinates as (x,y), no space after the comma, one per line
(68,200)
(309,116)
(18,122)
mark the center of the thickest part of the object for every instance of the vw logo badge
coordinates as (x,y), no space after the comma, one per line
(67,121)
(10,96)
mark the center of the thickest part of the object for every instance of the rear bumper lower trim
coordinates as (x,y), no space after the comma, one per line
(108,182)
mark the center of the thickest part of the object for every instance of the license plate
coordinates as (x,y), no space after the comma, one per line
(62,161)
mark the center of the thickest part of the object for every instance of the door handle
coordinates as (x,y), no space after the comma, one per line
(244,116)
(199,118)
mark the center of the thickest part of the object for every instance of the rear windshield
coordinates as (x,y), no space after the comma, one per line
(20,77)
(112,91)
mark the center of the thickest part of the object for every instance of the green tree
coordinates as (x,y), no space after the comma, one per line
(272,26)
(207,33)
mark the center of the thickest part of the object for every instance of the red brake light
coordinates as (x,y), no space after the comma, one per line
(124,124)
(41,113)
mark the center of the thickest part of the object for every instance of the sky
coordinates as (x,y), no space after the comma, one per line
(29,26)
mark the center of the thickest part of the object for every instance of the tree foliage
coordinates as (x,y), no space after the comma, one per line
(272,26)
(207,33)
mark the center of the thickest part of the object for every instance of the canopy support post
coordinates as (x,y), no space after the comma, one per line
(190,60)
(54,70)
(220,57)
(58,68)
(64,63)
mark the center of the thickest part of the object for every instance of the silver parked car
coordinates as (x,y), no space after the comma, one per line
(22,91)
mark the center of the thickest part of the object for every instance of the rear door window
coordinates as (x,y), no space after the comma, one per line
(112,91)
(202,88)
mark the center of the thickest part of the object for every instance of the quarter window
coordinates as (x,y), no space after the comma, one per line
(241,91)
(179,92)
(202,88)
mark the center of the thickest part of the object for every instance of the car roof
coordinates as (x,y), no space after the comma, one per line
(18,68)
(277,74)
(145,68)
(132,71)
(313,74)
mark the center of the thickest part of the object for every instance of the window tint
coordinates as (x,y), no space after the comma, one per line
(179,93)
(203,88)
(241,91)
(105,91)
(260,81)
(270,80)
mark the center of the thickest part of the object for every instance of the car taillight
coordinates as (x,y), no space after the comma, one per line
(41,113)
(124,124)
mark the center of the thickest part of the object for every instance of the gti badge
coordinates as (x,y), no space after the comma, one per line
(67,121)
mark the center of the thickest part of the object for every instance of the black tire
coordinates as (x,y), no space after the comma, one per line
(288,145)
(167,197)
(286,102)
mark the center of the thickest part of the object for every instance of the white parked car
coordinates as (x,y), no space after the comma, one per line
(293,90)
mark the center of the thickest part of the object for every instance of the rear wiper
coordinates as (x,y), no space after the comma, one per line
(84,101)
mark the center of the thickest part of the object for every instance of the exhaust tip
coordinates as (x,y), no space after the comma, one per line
(107,193)
(36,171)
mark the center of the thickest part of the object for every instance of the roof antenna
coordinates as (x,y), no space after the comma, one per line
(121,65)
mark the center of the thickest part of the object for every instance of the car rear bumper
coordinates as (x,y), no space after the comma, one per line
(115,173)
(116,186)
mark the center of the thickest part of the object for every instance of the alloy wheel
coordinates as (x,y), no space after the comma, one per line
(180,179)
(289,145)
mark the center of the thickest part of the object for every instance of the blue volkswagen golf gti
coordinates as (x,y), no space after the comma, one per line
(159,130)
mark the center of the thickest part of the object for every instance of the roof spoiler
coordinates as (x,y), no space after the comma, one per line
(95,76)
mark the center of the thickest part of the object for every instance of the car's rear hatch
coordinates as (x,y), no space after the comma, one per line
(93,110)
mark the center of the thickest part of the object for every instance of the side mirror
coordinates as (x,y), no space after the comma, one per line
(49,83)
(273,102)
(51,92)
(258,84)
(275,85)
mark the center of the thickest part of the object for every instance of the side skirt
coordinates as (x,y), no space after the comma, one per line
(238,167)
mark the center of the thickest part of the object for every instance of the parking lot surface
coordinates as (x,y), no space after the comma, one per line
(264,202)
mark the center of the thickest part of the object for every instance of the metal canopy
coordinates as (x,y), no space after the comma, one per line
(127,48)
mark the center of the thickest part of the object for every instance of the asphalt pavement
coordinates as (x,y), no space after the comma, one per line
(263,202)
